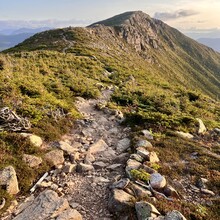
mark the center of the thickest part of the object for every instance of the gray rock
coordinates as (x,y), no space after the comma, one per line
(31,160)
(69,168)
(174,215)
(122,158)
(55,157)
(46,205)
(169,191)
(145,210)
(66,147)
(89,158)
(184,135)
(9,180)
(144,143)
(34,139)
(99,165)
(98,147)
(120,201)
(157,181)
(147,134)
(123,145)
(143,152)
(114,167)
(202,129)
(139,191)
(69,214)
(82,168)
(137,158)
(121,184)
(217,130)
(132,165)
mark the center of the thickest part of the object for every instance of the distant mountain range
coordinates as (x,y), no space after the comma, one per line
(211,42)
(12,37)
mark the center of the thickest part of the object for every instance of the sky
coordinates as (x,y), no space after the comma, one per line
(189,16)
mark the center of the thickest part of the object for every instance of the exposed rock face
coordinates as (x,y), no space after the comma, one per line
(47,205)
(55,156)
(31,160)
(8,179)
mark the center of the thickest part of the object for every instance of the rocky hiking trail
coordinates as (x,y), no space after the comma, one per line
(94,174)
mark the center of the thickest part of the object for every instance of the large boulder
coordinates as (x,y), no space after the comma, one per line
(70,214)
(34,139)
(120,202)
(157,181)
(46,205)
(55,157)
(9,180)
(31,160)
(174,215)
(145,210)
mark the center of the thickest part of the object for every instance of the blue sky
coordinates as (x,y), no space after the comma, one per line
(186,15)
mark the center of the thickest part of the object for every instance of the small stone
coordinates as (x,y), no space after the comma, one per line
(153,158)
(120,201)
(54,187)
(99,165)
(217,130)
(143,152)
(69,214)
(82,168)
(121,184)
(139,191)
(145,210)
(157,181)
(114,167)
(148,169)
(132,165)
(209,192)
(45,184)
(69,168)
(89,158)
(100,179)
(98,147)
(174,215)
(147,134)
(123,145)
(169,191)
(137,158)
(31,160)
(8,179)
(34,139)
(66,147)
(122,158)
(184,135)
(202,129)
(74,205)
(144,143)
(55,156)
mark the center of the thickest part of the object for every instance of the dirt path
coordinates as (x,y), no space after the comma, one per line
(70,44)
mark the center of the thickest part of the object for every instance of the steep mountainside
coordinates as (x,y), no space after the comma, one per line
(141,81)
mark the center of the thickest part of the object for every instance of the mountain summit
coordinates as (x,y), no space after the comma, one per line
(163,50)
